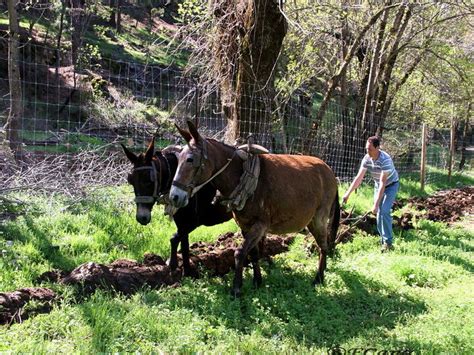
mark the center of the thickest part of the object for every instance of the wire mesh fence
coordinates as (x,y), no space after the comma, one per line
(74,117)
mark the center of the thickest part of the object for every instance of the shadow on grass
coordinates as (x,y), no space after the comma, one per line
(288,307)
(49,251)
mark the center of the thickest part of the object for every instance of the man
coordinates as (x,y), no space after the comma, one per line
(380,166)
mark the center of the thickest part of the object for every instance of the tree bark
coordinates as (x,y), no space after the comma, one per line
(77,16)
(334,81)
(465,132)
(118,24)
(13,123)
(369,101)
(58,40)
(398,29)
(247,63)
(113,15)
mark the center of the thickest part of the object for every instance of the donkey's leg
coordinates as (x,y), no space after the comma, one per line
(251,239)
(187,270)
(318,229)
(257,273)
(174,241)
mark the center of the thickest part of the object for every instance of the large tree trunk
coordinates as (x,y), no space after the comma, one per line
(254,49)
(333,83)
(397,31)
(113,15)
(118,24)
(58,40)
(369,100)
(77,20)
(13,124)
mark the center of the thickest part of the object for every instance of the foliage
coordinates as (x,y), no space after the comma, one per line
(430,59)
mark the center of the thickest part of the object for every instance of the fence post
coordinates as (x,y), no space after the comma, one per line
(423,157)
(451,148)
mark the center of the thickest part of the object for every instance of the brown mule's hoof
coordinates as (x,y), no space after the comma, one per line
(191,272)
(173,264)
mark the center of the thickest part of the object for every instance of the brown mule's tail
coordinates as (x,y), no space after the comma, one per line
(335,216)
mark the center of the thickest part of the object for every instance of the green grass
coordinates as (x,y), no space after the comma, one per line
(418,297)
(136,45)
(40,26)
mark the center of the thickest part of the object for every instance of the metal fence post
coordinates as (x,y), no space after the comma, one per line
(423,156)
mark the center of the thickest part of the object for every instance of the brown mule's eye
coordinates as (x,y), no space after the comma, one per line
(189,160)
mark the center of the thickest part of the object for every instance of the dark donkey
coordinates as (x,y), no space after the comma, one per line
(151,179)
(293,192)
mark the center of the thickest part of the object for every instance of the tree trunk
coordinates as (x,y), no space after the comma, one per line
(334,81)
(248,85)
(113,15)
(465,132)
(13,124)
(398,29)
(118,25)
(58,40)
(400,83)
(369,101)
(77,15)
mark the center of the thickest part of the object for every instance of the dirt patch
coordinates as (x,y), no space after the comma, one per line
(19,305)
(446,206)
(128,276)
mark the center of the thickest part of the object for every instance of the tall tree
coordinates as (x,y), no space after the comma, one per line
(241,49)
(15,115)
(383,45)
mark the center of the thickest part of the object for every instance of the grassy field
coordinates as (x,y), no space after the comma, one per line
(418,297)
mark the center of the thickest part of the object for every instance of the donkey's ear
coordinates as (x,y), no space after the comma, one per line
(130,155)
(150,150)
(194,132)
(186,135)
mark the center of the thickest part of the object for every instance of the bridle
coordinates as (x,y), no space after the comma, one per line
(158,197)
(198,164)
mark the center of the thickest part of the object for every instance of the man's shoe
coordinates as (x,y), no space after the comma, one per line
(386,247)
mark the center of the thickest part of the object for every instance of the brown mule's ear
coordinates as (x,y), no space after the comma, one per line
(194,132)
(130,155)
(186,135)
(150,150)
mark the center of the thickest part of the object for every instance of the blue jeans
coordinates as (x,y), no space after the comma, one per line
(384,214)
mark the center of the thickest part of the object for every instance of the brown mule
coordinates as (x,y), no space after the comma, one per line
(293,192)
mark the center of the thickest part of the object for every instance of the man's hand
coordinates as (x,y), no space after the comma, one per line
(345,198)
(374,210)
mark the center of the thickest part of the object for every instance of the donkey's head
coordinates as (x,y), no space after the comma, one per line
(194,167)
(147,178)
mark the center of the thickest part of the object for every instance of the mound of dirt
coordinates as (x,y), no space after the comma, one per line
(446,206)
(128,276)
(12,304)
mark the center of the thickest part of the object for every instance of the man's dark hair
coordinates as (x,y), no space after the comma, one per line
(374,140)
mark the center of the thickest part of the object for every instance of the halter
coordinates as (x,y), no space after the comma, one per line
(199,164)
(157,196)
